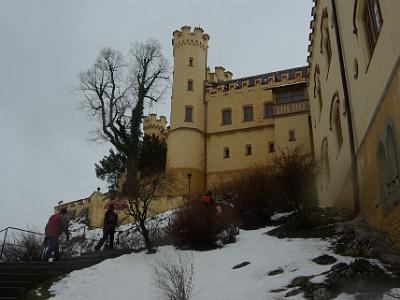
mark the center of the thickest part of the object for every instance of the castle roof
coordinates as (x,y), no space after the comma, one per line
(264,77)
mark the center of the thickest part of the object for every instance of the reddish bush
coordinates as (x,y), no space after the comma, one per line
(196,225)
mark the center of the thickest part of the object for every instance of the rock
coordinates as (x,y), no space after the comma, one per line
(275,272)
(324,260)
(301,281)
(293,292)
(243,264)
(322,294)
(349,231)
(339,267)
(278,290)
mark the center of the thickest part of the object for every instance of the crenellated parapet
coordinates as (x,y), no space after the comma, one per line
(186,36)
(267,80)
(155,126)
(219,75)
(311,37)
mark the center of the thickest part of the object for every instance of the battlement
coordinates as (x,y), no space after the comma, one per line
(154,126)
(186,36)
(219,75)
(152,119)
(268,80)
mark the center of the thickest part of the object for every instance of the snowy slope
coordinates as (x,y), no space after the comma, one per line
(129,276)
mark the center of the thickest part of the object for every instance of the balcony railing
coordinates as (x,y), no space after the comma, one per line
(291,108)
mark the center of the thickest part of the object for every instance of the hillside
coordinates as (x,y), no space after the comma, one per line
(274,263)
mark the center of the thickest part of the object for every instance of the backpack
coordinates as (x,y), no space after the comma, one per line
(206,199)
(110,218)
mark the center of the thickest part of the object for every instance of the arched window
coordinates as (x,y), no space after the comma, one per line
(382,171)
(325,37)
(317,90)
(334,119)
(389,168)
(393,183)
(325,169)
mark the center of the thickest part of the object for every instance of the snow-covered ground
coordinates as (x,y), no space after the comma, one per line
(130,277)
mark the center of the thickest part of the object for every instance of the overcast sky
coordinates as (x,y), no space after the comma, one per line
(45,155)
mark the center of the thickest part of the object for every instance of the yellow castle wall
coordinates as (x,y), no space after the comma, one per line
(374,93)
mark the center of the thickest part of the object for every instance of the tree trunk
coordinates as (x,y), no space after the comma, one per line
(146,237)
(129,187)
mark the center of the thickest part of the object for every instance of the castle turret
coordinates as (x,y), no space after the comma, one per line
(186,136)
(154,126)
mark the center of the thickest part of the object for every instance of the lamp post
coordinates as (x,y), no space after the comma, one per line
(189,176)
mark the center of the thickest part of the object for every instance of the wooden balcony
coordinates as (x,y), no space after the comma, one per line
(291,108)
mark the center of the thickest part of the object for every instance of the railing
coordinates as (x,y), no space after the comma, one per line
(6,234)
(291,108)
(126,238)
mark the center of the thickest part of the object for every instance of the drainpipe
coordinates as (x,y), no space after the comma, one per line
(205,137)
(354,171)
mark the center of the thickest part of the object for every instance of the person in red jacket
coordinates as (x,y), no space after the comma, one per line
(57,224)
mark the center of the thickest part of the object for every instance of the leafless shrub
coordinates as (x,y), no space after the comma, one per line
(296,173)
(394,293)
(173,277)
(286,184)
(24,247)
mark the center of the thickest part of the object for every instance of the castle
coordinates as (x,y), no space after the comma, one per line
(354,88)
(344,105)
(220,126)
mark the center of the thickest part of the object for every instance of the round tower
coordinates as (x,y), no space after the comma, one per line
(186,145)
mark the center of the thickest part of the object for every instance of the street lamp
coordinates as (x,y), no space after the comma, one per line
(189,176)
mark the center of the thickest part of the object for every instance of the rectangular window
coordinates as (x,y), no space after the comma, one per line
(190,85)
(190,61)
(271,147)
(287,95)
(188,114)
(292,135)
(226,152)
(373,22)
(248,113)
(248,150)
(226,117)
(268,110)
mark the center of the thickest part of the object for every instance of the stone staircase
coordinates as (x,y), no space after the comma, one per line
(16,279)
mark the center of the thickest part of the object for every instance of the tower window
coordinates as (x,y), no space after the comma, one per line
(248,113)
(271,147)
(248,150)
(226,152)
(268,111)
(328,47)
(373,22)
(226,117)
(190,61)
(292,135)
(338,127)
(188,114)
(190,85)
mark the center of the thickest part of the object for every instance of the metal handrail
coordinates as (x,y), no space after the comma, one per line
(6,233)
(134,228)
(19,229)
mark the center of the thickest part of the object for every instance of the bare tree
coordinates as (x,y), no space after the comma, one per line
(174,277)
(140,205)
(115,92)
